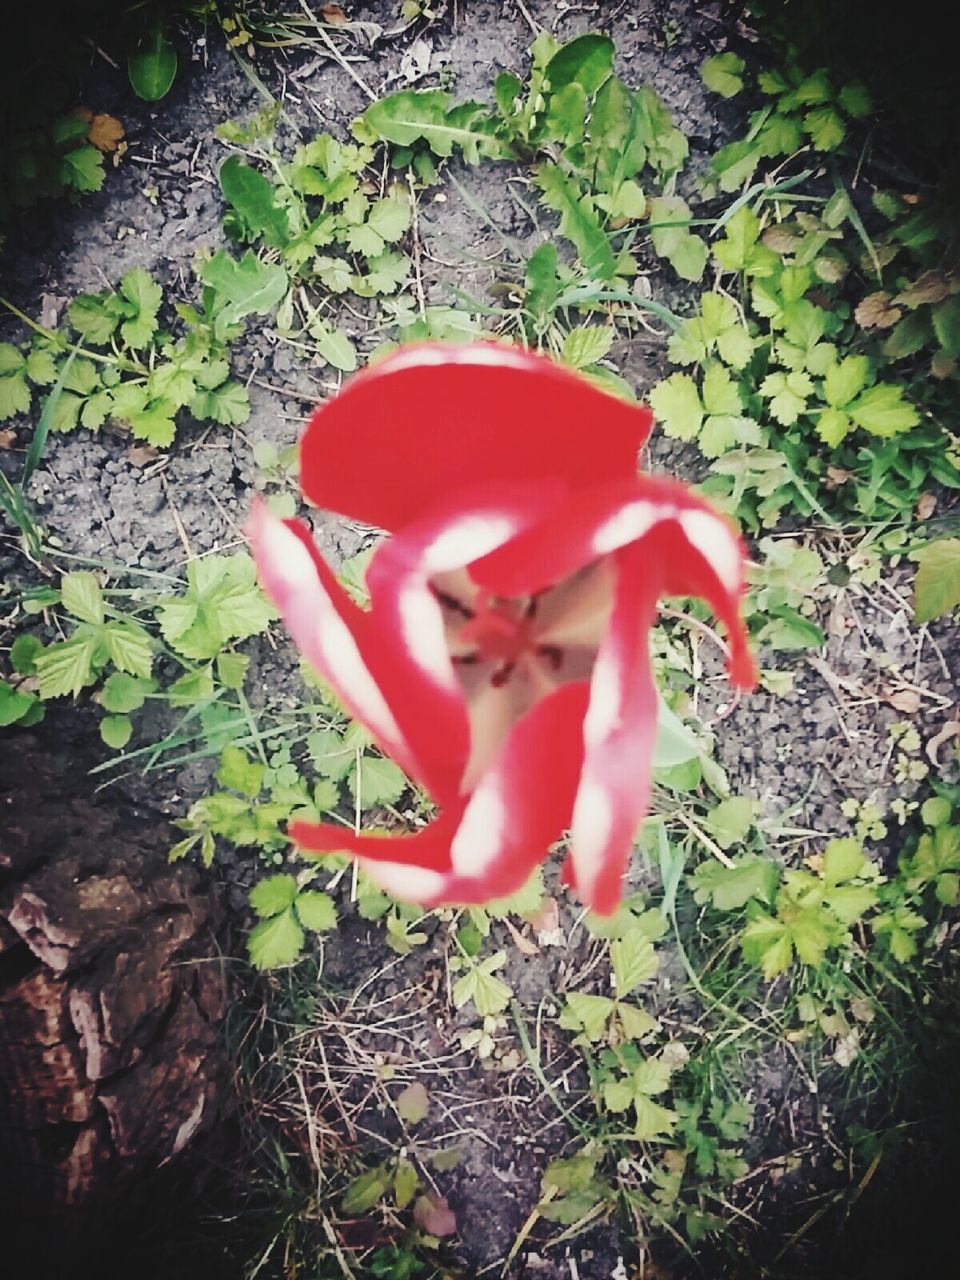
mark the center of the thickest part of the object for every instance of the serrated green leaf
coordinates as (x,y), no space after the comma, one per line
(23,654)
(652,1077)
(730,821)
(245,287)
(15,395)
(144,296)
(390,218)
(766,942)
(129,648)
(845,380)
(617,1095)
(587,344)
(11,359)
(232,669)
(274,942)
(720,392)
(15,704)
(82,169)
(385,274)
(723,73)
(634,961)
(80,595)
(41,369)
(378,780)
(946,324)
(833,426)
(730,888)
(826,129)
(228,404)
(66,667)
(316,910)
(883,411)
(488,993)
(653,1121)
(238,772)
(191,688)
(676,403)
(586,1013)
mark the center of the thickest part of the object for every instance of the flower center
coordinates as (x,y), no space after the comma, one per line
(501,630)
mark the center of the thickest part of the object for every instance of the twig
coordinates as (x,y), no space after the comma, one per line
(181,531)
(337,55)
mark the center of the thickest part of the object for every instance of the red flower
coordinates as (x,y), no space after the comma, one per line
(503,662)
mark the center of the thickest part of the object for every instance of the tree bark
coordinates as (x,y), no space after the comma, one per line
(110,989)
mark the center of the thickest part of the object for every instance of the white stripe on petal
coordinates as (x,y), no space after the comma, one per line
(603,711)
(421,621)
(716,544)
(629,523)
(479,839)
(349,672)
(466,540)
(411,884)
(589,833)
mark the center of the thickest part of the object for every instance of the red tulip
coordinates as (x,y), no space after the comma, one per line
(503,662)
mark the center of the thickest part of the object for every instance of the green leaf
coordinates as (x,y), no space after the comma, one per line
(390,218)
(23,655)
(617,1095)
(82,169)
(232,669)
(413,1103)
(238,772)
(378,780)
(669,219)
(825,127)
(735,163)
(634,961)
(488,993)
(586,60)
(129,648)
(731,820)
(123,693)
(946,325)
(14,704)
(689,257)
(587,344)
(405,1183)
(652,1076)
(385,274)
(11,359)
(67,667)
(637,1024)
(191,688)
(723,73)
(586,1013)
(883,411)
(116,731)
(364,1192)
(674,743)
(578,221)
(766,942)
(842,860)
(144,296)
(80,595)
(833,426)
(653,1121)
(274,894)
(252,195)
(276,941)
(721,395)
(228,404)
(937,588)
(316,910)
(41,369)
(856,100)
(15,395)
(95,316)
(412,114)
(152,67)
(845,380)
(676,403)
(730,888)
(336,347)
(243,288)
(788,394)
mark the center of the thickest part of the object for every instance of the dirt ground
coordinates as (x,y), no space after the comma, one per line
(800,754)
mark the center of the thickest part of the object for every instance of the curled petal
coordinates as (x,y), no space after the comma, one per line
(690,550)
(428,696)
(433,419)
(485,847)
(333,634)
(619,732)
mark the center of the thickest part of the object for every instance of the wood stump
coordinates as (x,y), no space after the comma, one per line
(110,991)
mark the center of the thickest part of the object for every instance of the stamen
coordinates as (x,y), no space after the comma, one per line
(553,654)
(451,602)
(502,675)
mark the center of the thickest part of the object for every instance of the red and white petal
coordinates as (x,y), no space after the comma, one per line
(417,672)
(619,731)
(434,418)
(488,846)
(690,550)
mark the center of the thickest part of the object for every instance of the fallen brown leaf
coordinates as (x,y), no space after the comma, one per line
(526,946)
(105,132)
(138,455)
(836,476)
(333,15)
(905,700)
(434,1214)
(876,312)
(546,918)
(8,438)
(932,286)
(950,730)
(926,505)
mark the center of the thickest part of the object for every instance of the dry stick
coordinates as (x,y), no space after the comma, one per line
(338,56)
(705,840)
(526,13)
(417,266)
(181,531)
